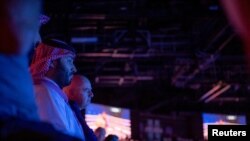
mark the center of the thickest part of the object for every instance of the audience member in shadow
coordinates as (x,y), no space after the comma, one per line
(111,137)
(100,133)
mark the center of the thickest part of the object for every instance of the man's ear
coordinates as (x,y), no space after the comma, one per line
(72,94)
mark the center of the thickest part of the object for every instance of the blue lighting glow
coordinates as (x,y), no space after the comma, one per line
(84,40)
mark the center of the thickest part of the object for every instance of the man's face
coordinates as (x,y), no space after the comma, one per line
(65,70)
(84,94)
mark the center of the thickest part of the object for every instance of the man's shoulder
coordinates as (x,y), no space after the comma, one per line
(45,88)
(46,83)
(42,83)
(41,87)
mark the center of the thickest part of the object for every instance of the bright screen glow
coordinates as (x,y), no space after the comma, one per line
(221,119)
(115,120)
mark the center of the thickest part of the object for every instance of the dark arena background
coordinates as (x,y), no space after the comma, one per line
(168,62)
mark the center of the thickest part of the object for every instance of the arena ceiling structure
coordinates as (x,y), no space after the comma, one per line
(155,56)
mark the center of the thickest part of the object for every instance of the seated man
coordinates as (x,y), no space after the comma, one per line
(80,94)
(52,69)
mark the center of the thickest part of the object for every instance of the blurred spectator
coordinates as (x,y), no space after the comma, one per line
(18,112)
(111,137)
(19,25)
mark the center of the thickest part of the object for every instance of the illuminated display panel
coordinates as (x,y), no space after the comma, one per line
(115,120)
(221,119)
